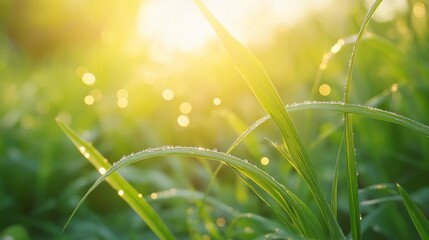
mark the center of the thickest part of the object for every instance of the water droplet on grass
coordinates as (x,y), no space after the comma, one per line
(102,170)
(121,193)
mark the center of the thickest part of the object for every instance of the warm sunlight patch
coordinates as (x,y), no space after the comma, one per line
(168,94)
(324,90)
(89,100)
(265,161)
(88,78)
(172,25)
(217,101)
(185,107)
(183,121)
(419,10)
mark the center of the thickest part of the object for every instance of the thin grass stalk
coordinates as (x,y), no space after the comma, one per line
(352,180)
(334,192)
(257,79)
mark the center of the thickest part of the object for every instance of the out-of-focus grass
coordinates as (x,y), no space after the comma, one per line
(37,162)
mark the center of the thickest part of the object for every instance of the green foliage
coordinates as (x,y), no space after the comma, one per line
(419,220)
(184,196)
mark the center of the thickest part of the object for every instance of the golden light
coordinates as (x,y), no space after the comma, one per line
(265,161)
(89,100)
(122,102)
(88,78)
(388,10)
(122,93)
(168,94)
(419,10)
(183,121)
(172,25)
(217,101)
(324,90)
(337,47)
(185,107)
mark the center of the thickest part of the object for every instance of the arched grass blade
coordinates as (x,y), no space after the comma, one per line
(416,215)
(117,182)
(257,79)
(290,204)
(364,111)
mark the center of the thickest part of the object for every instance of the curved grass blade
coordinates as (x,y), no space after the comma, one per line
(291,205)
(352,181)
(117,182)
(257,79)
(364,111)
(416,215)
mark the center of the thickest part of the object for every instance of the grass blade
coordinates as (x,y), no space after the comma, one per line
(416,215)
(334,192)
(352,181)
(290,204)
(364,111)
(117,182)
(257,79)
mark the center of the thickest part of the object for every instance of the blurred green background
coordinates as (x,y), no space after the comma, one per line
(91,64)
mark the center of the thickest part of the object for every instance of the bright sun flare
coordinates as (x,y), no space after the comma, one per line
(172,25)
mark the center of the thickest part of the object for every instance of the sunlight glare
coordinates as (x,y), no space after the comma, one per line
(88,78)
(168,94)
(388,10)
(89,100)
(122,102)
(217,101)
(122,93)
(325,89)
(183,121)
(172,25)
(185,108)
(265,161)
(419,10)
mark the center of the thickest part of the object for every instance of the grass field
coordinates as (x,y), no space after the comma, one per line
(320,134)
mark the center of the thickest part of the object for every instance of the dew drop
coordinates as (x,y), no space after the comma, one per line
(102,170)
(121,192)
(82,149)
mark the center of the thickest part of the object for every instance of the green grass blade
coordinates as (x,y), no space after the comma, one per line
(117,182)
(257,79)
(289,203)
(416,215)
(334,192)
(364,111)
(352,181)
